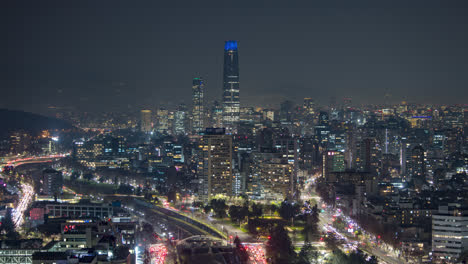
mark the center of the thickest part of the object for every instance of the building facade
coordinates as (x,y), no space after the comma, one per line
(215,165)
(449,233)
(231,101)
(52,182)
(145,121)
(198,109)
(79,210)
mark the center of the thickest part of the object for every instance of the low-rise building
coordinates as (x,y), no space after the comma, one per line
(98,210)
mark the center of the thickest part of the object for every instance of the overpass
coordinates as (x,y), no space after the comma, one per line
(182,220)
(18,161)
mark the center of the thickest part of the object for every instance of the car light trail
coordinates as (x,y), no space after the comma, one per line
(256,253)
(158,253)
(23,204)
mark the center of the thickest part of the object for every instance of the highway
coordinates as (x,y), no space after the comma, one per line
(18,161)
(189,227)
(173,219)
(27,190)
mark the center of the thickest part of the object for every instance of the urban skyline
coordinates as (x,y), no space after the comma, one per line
(390,51)
(231,86)
(129,136)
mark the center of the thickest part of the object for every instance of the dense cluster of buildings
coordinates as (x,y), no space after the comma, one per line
(83,232)
(403,165)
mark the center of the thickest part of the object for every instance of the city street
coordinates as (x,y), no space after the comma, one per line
(326,219)
(27,192)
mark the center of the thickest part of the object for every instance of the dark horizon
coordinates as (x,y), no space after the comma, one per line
(108,55)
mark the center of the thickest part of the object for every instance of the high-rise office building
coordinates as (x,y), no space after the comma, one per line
(272,176)
(179,120)
(333,161)
(52,181)
(231,101)
(145,121)
(162,116)
(198,114)
(215,165)
(309,106)
(416,165)
(286,112)
(217,114)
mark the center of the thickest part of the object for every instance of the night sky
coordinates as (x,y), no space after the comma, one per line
(117,55)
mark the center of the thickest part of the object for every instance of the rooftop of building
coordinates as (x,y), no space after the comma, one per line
(39,255)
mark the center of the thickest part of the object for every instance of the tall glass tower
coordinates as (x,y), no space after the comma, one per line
(231,102)
(198,111)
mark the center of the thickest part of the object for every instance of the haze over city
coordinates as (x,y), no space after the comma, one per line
(79,54)
(241,132)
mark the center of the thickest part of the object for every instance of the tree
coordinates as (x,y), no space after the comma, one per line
(288,210)
(138,190)
(125,189)
(121,252)
(88,176)
(356,257)
(8,226)
(219,207)
(307,255)
(257,210)
(243,212)
(234,213)
(207,208)
(272,208)
(238,213)
(339,257)
(331,241)
(311,228)
(279,247)
(240,250)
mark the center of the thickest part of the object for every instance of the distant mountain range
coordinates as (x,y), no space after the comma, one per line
(12,120)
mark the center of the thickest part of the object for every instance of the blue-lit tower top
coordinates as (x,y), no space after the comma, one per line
(230,45)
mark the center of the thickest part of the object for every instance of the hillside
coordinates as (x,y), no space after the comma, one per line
(12,120)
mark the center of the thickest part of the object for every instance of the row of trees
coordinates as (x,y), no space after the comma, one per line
(236,212)
(287,210)
(252,212)
(7,228)
(279,249)
(355,257)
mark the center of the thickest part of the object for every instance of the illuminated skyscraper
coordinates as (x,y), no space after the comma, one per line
(217,115)
(162,116)
(231,102)
(179,120)
(198,113)
(145,121)
(309,106)
(215,165)
(417,166)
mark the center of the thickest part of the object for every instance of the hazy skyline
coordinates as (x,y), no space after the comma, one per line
(100,55)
